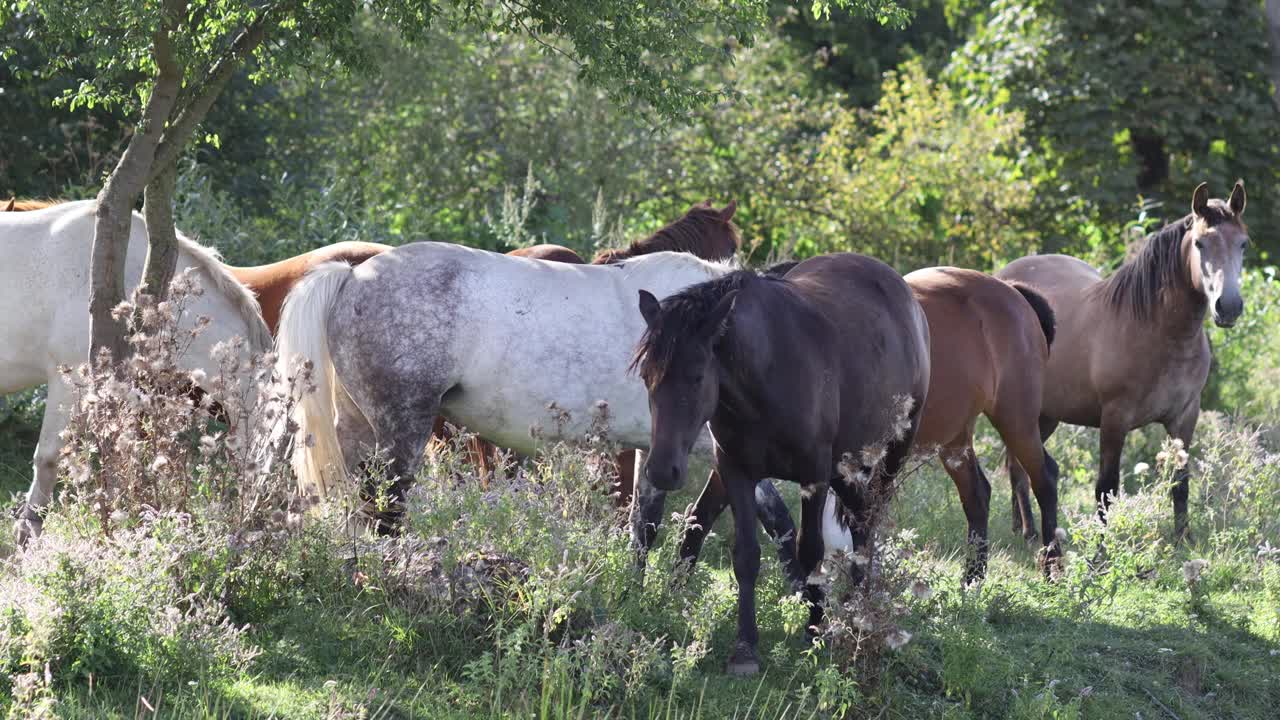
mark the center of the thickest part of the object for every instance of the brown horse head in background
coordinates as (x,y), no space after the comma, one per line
(704,231)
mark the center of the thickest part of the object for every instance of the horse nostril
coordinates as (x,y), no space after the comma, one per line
(1228,308)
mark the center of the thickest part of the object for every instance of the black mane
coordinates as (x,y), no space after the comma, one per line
(684,319)
(1137,285)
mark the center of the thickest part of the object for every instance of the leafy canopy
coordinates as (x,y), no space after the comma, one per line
(640,52)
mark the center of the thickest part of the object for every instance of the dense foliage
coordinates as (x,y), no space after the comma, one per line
(972,134)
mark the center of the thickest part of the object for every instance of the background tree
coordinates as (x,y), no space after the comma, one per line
(166,62)
(1125,99)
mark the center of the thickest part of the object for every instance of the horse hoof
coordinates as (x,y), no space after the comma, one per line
(27,527)
(1031,537)
(974,573)
(1182,535)
(744,661)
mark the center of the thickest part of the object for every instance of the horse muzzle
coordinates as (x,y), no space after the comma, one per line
(1226,311)
(664,473)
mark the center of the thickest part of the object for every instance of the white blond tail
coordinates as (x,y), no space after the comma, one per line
(317,456)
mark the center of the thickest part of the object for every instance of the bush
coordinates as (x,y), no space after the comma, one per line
(170,526)
(1246,376)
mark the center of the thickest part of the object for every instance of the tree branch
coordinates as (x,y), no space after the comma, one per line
(114,214)
(162,236)
(193,113)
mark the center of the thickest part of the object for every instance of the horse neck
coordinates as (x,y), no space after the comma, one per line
(671,272)
(1182,307)
(744,382)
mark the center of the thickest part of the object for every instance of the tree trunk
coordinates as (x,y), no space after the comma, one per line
(1273,34)
(162,237)
(120,193)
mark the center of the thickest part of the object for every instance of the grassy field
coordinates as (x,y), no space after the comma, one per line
(519,600)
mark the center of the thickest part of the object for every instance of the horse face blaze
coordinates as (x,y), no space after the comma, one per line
(1219,257)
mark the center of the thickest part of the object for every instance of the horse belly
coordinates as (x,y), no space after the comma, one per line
(29,302)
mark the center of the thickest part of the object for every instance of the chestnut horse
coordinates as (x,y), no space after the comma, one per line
(1132,348)
(989,345)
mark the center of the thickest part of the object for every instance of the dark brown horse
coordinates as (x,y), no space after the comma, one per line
(1132,348)
(990,342)
(818,378)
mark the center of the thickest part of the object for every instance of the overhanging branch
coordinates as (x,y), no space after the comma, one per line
(194,111)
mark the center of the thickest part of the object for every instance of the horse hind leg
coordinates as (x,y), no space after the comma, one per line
(1024,521)
(1026,450)
(961,463)
(386,436)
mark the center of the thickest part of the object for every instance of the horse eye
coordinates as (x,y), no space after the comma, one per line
(1199,245)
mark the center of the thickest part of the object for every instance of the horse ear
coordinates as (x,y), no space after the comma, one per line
(1237,198)
(650,308)
(719,317)
(1200,199)
(9,207)
(727,213)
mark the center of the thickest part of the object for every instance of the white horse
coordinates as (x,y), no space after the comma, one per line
(519,351)
(44,317)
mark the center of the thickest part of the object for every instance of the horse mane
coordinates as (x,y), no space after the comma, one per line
(1137,285)
(702,232)
(210,261)
(683,319)
(16,205)
(779,269)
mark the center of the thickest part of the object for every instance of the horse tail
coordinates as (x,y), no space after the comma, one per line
(1038,303)
(303,332)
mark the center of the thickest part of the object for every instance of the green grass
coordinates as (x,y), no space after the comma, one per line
(1095,645)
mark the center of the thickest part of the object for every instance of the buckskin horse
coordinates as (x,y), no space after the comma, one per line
(818,377)
(1132,348)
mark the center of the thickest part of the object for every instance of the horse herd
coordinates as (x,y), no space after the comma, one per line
(828,372)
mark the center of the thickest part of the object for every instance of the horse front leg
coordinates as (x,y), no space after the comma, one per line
(746,565)
(1184,428)
(711,502)
(1111,444)
(647,506)
(29,522)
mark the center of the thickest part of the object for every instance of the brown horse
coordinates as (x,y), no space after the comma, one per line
(989,345)
(1132,348)
(704,231)
(16,205)
(818,377)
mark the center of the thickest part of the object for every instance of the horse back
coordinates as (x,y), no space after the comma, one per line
(272,283)
(881,337)
(986,337)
